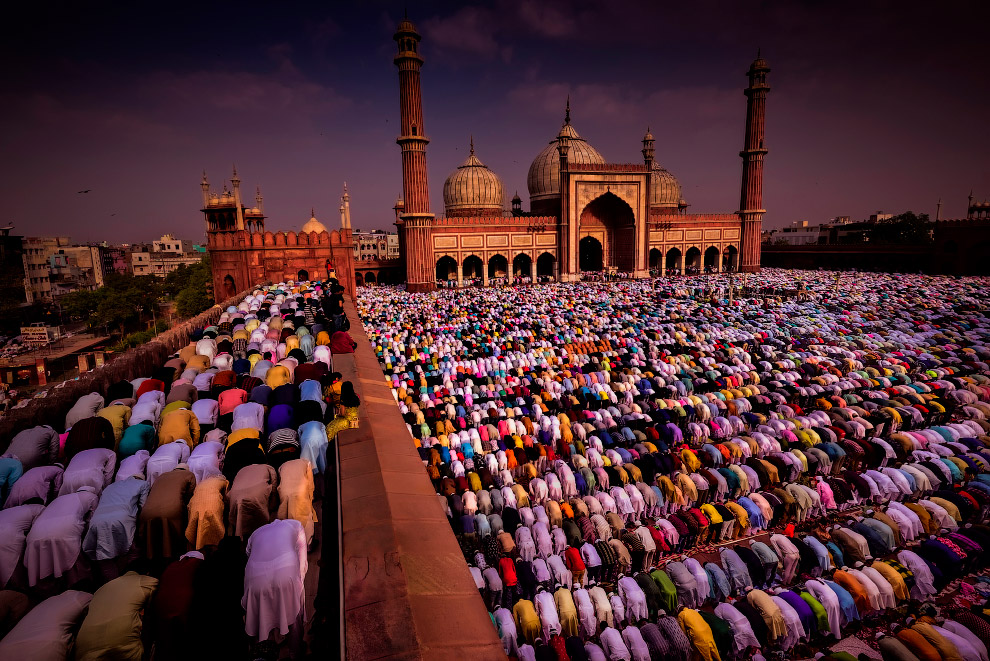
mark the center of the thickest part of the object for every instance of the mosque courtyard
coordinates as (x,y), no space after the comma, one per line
(724,466)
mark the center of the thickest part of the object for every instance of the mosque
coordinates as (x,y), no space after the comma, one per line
(585,214)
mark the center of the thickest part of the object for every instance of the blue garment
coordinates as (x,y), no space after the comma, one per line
(310,390)
(735,569)
(718,582)
(910,478)
(956,473)
(821,551)
(846,603)
(313,444)
(836,552)
(280,417)
(10,471)
(756,519)
(141,436)
(111,530)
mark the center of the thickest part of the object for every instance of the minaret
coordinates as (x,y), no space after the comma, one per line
(416,217)
(236,183)
(568,262)
(205,185)
(345,207)
(259,201)
(938,210)
(648,149)
(751,198)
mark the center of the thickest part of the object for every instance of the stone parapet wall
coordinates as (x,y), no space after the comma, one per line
(407,591)
(133,363)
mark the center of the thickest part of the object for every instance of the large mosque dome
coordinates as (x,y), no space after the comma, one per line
(665,190)
(544,174)
(473,189)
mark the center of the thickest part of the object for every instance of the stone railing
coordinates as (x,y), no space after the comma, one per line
(133,363)
(407,591)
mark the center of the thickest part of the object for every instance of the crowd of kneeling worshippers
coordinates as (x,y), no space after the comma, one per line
(173,515)
(638,472)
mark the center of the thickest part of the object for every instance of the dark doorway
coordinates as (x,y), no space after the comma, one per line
(590,254)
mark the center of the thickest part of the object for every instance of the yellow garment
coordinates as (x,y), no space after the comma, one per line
(946,649)
(342,422)
(295,493)
(118,415)
(690,460)
(198,363)
(527,621)
(895,579)
(182,424)
(113,624)
(699,633)
(206,512)
(567,612)
(175,406)
(241,434)
(712,513)
(742,518)
(278,375)
(187,352)
(770,611)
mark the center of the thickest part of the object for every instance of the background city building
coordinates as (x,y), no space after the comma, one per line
(165,255)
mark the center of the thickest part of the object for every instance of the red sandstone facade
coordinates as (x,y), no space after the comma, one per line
(243,254)
(586,214)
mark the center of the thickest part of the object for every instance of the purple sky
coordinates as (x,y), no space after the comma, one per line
(874,105)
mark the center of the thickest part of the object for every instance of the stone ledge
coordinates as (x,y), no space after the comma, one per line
(407,591)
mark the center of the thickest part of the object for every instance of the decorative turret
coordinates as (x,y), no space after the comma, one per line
(648,150)
(235,181)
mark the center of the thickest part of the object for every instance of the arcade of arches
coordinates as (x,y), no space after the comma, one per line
(497,266)
(592,256)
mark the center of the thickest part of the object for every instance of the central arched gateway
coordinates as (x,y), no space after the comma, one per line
(611,216)
(590,254)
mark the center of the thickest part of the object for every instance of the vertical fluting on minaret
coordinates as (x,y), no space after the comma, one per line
(751,195)
(416,217)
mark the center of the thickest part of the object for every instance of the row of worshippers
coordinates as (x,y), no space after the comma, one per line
(153,470)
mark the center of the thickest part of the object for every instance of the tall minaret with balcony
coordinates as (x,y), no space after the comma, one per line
(751,197)
(416,219)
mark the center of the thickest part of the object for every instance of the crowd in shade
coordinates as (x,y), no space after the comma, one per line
(173,516)
(659,469)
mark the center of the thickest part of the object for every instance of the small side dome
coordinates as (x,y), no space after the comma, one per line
(313,225)
(665,190)
(473,189)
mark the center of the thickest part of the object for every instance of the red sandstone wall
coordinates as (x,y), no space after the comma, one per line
(250,257)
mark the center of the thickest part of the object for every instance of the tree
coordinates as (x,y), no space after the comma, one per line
(906,227)
(81,304)
(193,297)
